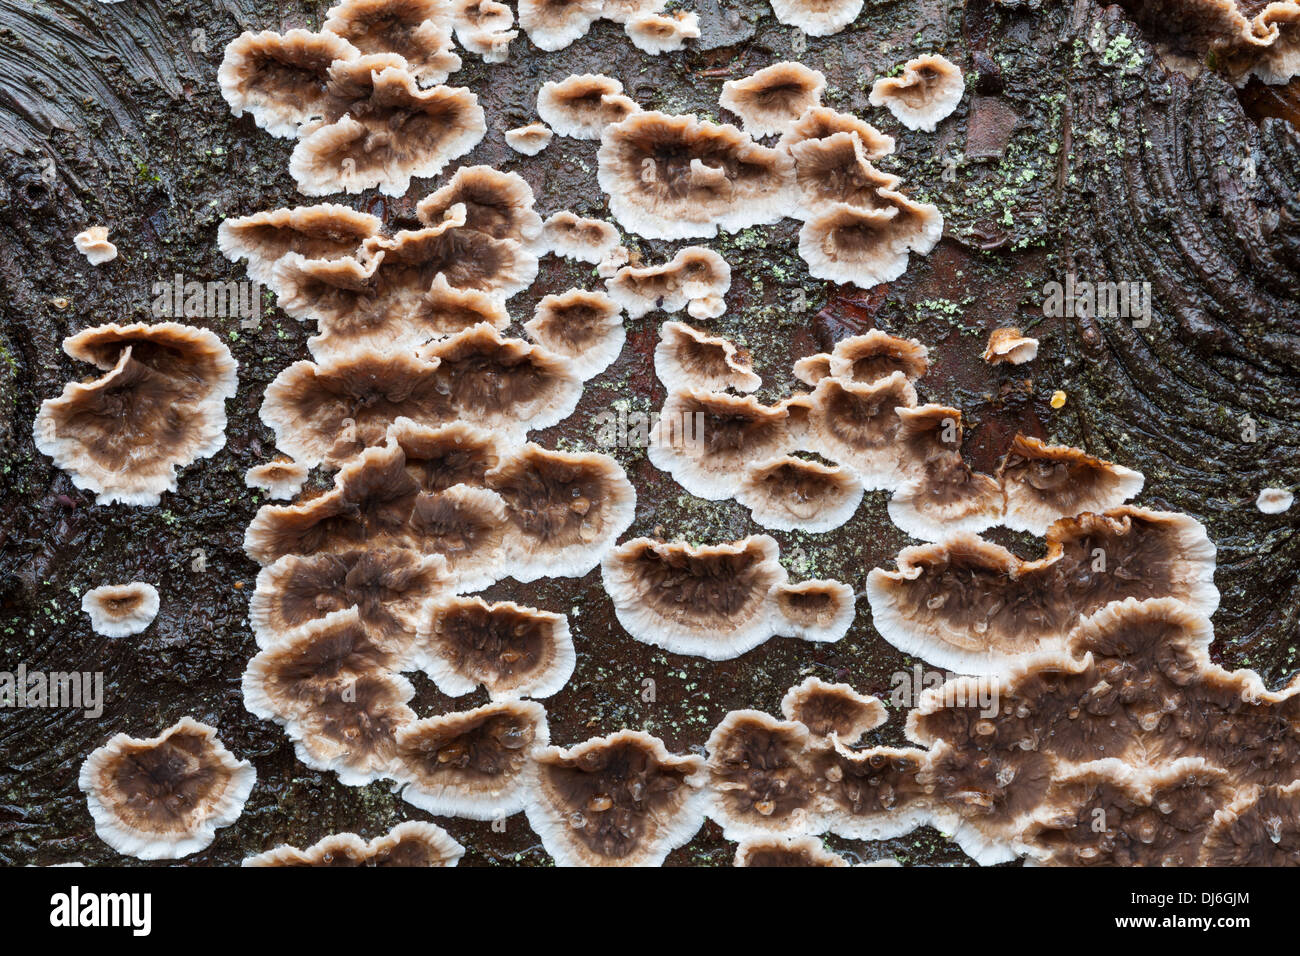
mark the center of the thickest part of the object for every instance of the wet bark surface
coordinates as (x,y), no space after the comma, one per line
(1072,151)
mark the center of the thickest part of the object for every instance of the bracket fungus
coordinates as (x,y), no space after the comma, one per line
(554,24)
(858,425)
(944,496)
(772,99)
(834,170)
(324,231)
(404,290)
(474,763)
(281,79)
(677,177)
(483,27)
(822,122)
(381,130)
(497,203)
(583,240)
(120,610)
(329,411)
(817,18)
(417,30)
(564,510)
(511,650)
(708,440)
(414,843)
(165,797)
(330,684)
(583,105)
(866,247)
(1010,346)
(714,601)
(440,456)
(387,588)
(94,245)
(838,709)
(1129,717)
(794,494)
(974,607)
(656,33)
(928,90)
(529,140)
(621,800)
(1240,40)
(377,501)
(817,611)
(868,358)
(790,851)
(687,358)
(758,781)
(584,327)
(160,405)
(281,479)
(691,280)
(1045,482)
(504,384)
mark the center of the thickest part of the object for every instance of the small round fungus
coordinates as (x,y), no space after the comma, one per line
(687,358)
(120,610)
(582,105)
(1274,501)
(529,140)
(94,245)
(1011,347)
(786,851)
(584,327)
(281,479)
(656,33)
(793,494)
(771,100)
(817,611)
(837,709)
(817,18)
(928,90)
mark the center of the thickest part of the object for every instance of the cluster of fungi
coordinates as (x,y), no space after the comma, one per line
(1082,686)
